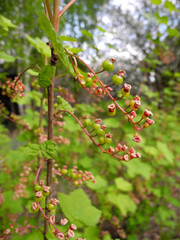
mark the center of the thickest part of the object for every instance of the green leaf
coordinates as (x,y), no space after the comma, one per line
(101,29)
(91,233)
(107,237)
(31,149)
(99,184)
(177,75)
(35,235)
(77,206)
(151,17)
(47,27)
(173,32)
(32,72)
(112,122)
(112,46)
(63,104)
(87,34)
(75,50)
(157,2)
(5,24)
(163,19)
(14,206)
(167,153)
(35,96)
(137,167)
(123,185)
(71,126)
(49,149)
(40,46)
(170,6)
(67,39)
(123,202)
(45,76)
(6,57)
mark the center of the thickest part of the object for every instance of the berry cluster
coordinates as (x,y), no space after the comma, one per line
(20,121)
(35,84)
(64,92)
(98,128)
(42,191)
(13,88)
(20,188)
(78,177)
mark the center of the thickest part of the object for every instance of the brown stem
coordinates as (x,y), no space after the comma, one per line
(50,137)
(55,14)
(100,71)
(48,7)
(50,117)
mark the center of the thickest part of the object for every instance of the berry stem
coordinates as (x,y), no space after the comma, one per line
(65,8)
(103,86)
(38,172)
(91,137)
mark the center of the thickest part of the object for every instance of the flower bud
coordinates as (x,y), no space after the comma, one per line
(63,221)
(111,109)
(148,122)
(146,114)
(137,138)
(70,233)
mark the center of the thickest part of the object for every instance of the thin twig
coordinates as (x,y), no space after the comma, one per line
(65,8)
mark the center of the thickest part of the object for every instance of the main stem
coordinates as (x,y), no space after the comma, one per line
(50,118)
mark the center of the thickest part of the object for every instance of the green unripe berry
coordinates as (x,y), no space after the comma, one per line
(45,193)
(88,84)
(35,210)
(108,65)
(96,126)
(89,80)
(86,122)
(111,114)
(74,175)
(39,199)
(51,207)
(64,171)
(146,125)
(107,140)
(100,132)
(37,187)
(101,140)
(125,94)
(117,80)
(76,183)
